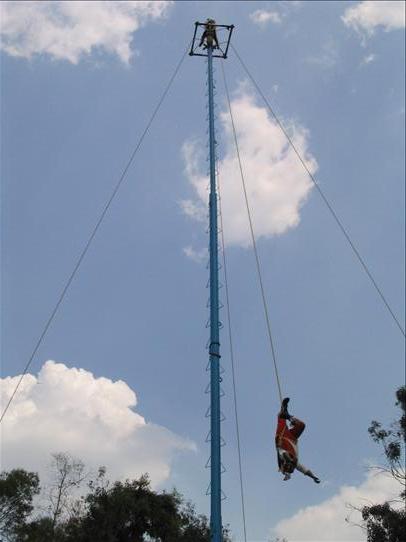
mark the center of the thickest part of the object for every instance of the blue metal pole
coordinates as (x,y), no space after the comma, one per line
(214,350)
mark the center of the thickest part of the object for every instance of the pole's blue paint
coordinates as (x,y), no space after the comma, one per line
(214,350)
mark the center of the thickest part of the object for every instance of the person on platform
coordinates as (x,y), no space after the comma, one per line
(209,36)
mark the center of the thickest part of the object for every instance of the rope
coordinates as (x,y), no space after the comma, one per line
(237,425)
(254,244)
(94,231)
(324,198)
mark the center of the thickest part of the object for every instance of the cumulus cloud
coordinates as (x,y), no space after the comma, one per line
(191,208)
(72,30)
(328,55)
(368,59)
(334,519)
(93,418)
(197,256)
(261,17)
(277,185)
(366,17)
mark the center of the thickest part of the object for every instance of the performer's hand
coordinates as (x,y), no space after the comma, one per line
(316,479)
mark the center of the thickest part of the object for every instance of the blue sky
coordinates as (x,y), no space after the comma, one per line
(72,111)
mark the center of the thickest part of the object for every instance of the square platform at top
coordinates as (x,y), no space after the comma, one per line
(213,35)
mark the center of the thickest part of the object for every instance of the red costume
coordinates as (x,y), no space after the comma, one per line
(286,444)
(286,439)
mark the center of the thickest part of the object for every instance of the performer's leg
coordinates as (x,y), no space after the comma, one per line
(298,427)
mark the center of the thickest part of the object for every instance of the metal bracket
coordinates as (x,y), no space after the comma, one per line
(222,51)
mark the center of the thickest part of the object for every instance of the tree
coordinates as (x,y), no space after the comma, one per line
(17,489)
(38,530)
(126,511)
(129,511)
(383,522)
(132,511)
(68,474)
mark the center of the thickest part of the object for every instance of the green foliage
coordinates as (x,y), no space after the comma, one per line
(128,511)
(131,511)
(17,489)
(383,522)
(39,530)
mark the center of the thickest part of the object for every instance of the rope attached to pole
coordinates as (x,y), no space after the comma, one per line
(93,233)
(254,244)
(324,198)
(230,338)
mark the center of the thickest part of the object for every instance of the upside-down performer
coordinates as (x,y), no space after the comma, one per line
(286,443)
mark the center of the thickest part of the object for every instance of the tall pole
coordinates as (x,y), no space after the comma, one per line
(214,349)
(208,40)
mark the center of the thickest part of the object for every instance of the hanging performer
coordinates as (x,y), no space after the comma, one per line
(286,443)
(209,36)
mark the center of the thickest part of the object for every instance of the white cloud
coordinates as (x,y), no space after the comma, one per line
(197,256)
(365,17)
(72,30)
(71,410)
(369,58)
(333,519)
(327,57)
(277,184)
(193,209)
(261,17)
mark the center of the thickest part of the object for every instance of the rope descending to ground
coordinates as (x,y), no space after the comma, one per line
(230,338)
(94,231)
(324,198)
(254,244)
